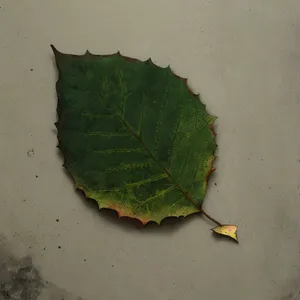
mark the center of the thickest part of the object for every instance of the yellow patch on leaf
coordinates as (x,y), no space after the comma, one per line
(227,230)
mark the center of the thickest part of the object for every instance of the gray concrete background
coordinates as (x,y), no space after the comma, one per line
(244,59)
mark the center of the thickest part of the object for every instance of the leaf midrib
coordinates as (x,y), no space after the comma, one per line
(186,195)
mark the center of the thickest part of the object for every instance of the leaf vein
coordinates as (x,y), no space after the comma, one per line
(119,150)
(162,193)
(175,134)
(159,123)
(125,167)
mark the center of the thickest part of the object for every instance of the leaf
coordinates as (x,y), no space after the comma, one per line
(134,137)
(227,230)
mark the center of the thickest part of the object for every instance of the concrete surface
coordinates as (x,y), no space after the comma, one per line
(244,58)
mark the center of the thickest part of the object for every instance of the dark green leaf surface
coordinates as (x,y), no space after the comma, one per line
(134,137)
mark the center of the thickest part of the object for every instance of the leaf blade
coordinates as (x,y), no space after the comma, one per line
(150,105)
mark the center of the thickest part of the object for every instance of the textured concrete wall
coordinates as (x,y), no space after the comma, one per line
(243,57)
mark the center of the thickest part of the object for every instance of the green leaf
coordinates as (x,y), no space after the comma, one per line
(133,136)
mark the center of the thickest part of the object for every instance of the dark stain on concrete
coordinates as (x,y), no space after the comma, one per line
(291,296)
(291,290)
(21,280)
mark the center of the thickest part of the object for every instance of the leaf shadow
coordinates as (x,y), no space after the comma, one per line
(219,238)
(169,224)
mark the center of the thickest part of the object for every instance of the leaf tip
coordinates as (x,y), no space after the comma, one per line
(55,51)
(227,230)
